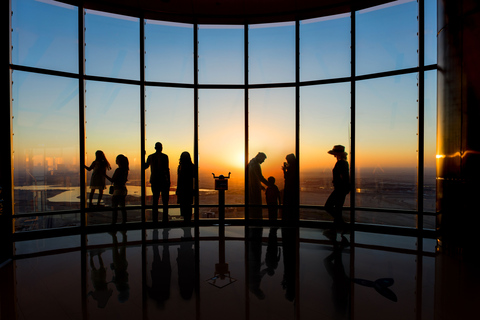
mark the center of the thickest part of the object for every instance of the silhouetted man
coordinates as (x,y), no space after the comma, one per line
(255,180)
(159,180)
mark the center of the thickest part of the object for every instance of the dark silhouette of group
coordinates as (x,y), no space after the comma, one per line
(158,163)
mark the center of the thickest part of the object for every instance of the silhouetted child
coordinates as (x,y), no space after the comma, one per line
(99,166)
(272,195)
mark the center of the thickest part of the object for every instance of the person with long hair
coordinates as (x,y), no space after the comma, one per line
(185,185)
(119,181)
(97,181)
(291,189)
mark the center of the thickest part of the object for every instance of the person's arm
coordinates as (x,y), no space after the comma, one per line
(91,166)
(147,163)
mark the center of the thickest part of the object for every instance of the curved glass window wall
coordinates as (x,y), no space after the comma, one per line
(224,93)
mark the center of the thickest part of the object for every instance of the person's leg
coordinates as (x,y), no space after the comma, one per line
(90,197)
(165,196)
(115,202)
(100,195)
(155,197)
(124,211)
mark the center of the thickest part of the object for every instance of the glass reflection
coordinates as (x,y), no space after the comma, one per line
(271,53)
(220,54)
(276,273)
(430,32)
(386,37)
(430,127)
(111,45)
(168,52)
(45,35)
(324,122)
(386,147)
(45,143)
(325,48)
(221,145)
(112,116)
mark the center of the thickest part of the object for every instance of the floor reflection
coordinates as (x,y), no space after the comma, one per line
(222,273)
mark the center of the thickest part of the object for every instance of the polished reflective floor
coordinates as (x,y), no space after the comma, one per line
(236,273)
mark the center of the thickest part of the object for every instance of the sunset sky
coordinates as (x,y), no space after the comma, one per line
(46,107)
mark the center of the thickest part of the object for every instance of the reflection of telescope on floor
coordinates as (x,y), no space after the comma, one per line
(221,184)
(221,277)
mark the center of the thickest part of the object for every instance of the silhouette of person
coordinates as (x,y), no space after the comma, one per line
(289,245)
(272,195)
(159,180)
(97,181)
(341,186)
(119,180)
(255,262)
(186,264)
(161,271)
(290,192)
(273,253)
(185,185)
(101,291)
(255,180)
(340,281)
(119,266)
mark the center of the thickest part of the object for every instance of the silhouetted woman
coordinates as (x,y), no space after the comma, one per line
(290,192)
(97,181)
(119,180)
(341,186)
(185,185)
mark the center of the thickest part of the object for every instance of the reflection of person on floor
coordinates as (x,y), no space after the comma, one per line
(255,180)
(161,271)
(119,266)
(341,186)
(255,262)
(340,281)
(185,185)
(290,192)
(273,254)
(186,265)
(159,180)
(97,181)
(272,195)
(289,244)
(119,180)
(101,291)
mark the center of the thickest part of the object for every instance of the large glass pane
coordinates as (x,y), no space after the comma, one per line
(112,125)
(45,34)
(325,47)
(169,120)
(386,143)
(45,143)
(324,122)
(112,45)
(387,37)
(221,144)
(430,127)
(430,32)
(168,52)
(221,54)
(271,53)
(271,130)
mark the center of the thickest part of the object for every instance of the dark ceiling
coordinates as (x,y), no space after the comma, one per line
(227,11)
